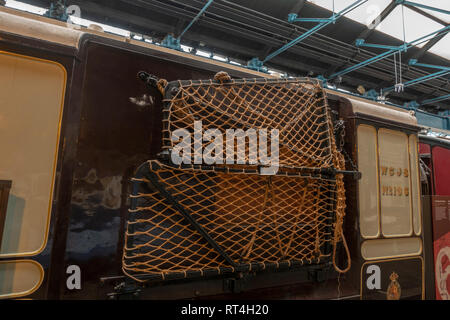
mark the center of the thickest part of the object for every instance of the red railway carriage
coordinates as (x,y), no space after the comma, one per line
(92,208)
(435,155)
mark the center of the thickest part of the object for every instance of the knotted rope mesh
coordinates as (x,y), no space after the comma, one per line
(297,108)
(195,219)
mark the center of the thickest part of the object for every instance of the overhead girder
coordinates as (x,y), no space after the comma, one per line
(264,30)
(366,34)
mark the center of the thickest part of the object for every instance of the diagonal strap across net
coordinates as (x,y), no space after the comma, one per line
(194,220)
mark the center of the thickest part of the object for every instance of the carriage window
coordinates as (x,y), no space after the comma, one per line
(19,278)
(388,248)
(395,192)
(368,185)
(5,186)
(415,185)
(31,97)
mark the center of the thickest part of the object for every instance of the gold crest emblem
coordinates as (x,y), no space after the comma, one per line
(394,290)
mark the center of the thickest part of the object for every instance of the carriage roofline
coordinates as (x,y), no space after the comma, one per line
(38,27)
(33,26)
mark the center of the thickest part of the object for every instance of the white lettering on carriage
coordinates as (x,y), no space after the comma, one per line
(74,280)
(374,280)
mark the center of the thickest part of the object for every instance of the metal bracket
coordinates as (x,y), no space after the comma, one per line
(292,17)
(372,94)
(124,291)
(171,42)
(324,81)
(57,10)
(414,62)
(174,43)
(318,275)
(238,284)
(412,105)
(362,43)
(149,79)
(257,65)
(445,113)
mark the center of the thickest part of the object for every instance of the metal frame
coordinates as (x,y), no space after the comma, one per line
(434,100)
(226,15)
(175,43)
(413,62)
(391,51)
(415,4)
(256,64)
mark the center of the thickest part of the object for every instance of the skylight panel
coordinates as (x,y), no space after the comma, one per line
(442,48)
(366,13)
(416,25)
(441,4)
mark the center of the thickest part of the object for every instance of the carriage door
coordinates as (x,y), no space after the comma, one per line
(389,214)
(31,99)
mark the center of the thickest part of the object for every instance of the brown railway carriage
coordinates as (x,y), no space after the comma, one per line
(71,141)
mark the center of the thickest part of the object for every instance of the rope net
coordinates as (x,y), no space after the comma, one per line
(194,220)
(297,108)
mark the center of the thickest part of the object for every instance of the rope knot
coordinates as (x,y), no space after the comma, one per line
(162,84)
(222,77)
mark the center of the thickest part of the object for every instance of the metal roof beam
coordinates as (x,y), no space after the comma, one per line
(260,31)
(435,92)
(315,29)
(428,46)
(433,41)
(388,53)
(195,18)
(366,34)
(426,14)
(415,4)
(434,100)
(295,9)
(298,6)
